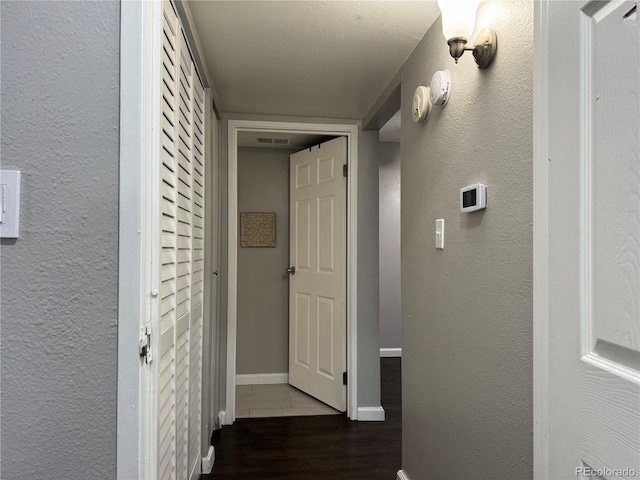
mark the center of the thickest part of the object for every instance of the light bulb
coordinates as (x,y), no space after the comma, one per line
(458,18)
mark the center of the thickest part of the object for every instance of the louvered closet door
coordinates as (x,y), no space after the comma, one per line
(181,187)
(166,368)
(197,283)
(184,258)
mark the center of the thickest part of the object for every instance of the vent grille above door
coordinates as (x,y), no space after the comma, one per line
(274,141)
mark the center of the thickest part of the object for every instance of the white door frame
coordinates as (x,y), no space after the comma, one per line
(351,132)
(138,34)
(540,242)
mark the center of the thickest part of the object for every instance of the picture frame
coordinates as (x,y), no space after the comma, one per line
(258,229)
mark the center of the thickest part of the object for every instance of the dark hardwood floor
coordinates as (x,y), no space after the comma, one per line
(315,448)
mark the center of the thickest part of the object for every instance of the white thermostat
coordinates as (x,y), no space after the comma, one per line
(473,197)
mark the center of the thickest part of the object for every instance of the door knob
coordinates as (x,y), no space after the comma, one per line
(291,270)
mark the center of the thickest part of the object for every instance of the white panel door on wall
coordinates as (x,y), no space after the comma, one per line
(175,447)
(594,240)
(317,288)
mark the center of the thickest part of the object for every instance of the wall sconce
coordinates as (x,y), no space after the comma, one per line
(458,23)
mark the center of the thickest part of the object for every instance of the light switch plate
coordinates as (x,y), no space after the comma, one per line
(440,233)
(9,203)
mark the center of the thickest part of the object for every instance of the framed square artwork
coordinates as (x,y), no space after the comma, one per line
(257,230)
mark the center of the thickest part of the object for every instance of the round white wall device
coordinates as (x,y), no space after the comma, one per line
(421,104)
(441,87)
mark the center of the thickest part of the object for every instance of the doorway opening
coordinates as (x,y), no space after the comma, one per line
(266,165)
(239,131)
(389,153)
(385,120)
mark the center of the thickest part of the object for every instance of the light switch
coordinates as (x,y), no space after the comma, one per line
(3,201)
(440,233)
(9,203)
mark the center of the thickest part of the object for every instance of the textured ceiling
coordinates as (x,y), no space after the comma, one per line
(307,58)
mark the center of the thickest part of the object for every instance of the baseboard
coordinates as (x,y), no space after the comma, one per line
(262,378)
(391,352)
(370,414)
(208,461)
(401,475)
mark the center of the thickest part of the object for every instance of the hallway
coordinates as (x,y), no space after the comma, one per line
(315,448)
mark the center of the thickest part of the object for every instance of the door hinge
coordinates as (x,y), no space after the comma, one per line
(345,170)
(344,378)
(145,345)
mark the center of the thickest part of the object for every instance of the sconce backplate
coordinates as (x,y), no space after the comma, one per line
(485,47)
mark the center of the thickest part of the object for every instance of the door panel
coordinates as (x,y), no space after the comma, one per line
(317,291)
(613,220)
(594,241)
(176,429)
(301,346)
(196,329)
(610,269)
(302,241)
(326,233)
(326,334)
(166,377)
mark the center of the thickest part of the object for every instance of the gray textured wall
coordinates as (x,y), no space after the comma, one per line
(390,296)
(223,264)
(60,104)
(263,284)
(467,310)
(368,268)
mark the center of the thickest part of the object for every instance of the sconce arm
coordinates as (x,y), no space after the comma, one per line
(484,47)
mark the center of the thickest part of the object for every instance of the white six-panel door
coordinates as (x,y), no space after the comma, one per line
(594,241)
(177,403)
(317,289)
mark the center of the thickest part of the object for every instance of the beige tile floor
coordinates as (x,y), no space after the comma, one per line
(280,400)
